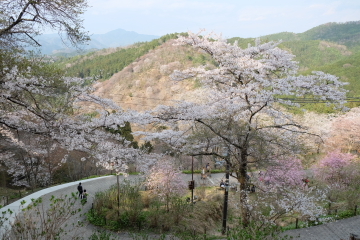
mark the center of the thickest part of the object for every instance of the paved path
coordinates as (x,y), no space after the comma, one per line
(330,231)
(337,230)
(91,185)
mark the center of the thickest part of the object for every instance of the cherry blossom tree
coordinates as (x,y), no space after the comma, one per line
(36,98)
(31,160)
(333,168)
(344,132)
(320,125)
(339,172)
(285,172)
(281,189)
(165,181)
(240,105)
(56,109)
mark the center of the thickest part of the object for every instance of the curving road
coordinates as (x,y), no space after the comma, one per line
(92,186)
(331,231)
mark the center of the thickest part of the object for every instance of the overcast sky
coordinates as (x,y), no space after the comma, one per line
(232,18)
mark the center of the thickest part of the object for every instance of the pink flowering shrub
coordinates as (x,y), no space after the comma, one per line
(282,193)
(334,168)
(340,173)
(285,171)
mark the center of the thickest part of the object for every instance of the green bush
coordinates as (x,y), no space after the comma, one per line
(345,214)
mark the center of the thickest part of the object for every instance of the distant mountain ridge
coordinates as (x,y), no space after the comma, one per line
(347,34)
(52,43)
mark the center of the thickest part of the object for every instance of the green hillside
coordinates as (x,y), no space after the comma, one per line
(347,34)
(308,53)
(315,53)
(284,36)
(103,66)
(348,70)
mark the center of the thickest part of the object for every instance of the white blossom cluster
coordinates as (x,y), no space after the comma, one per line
(56,110)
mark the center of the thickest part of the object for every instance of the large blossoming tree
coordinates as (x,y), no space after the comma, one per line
(36,98)
(239,107)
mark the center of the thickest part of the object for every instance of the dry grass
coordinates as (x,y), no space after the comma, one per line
(145,83)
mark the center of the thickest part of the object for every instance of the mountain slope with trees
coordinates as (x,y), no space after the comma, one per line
(347,34)
(123,66)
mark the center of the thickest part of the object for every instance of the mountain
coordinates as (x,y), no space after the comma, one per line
(106,62)
(120,37)
(138,76)
(347,34)
(52,43)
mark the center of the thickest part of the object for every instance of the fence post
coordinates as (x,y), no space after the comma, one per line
(355,210)
(297,223)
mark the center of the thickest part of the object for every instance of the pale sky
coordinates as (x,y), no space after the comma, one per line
(232,18)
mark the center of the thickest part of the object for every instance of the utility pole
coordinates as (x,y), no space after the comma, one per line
(226,193)
(118,193)
(192,179)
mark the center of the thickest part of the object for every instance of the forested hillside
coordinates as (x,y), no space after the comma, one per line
(104,63)
(333,48)
(347,34)
(348,69)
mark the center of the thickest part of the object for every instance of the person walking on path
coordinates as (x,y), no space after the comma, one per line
(84,196)
(80,190)
(203,176)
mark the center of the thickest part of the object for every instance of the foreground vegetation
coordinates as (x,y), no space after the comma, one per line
(132,209)
(135,210)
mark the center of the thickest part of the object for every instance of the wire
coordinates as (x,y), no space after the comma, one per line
(143,97)
(294,100)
